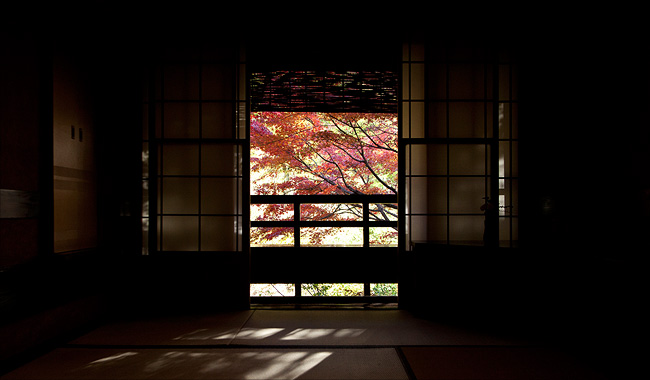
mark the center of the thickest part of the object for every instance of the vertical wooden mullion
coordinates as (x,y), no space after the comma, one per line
(240,154)
(402,241)
(245,152)
(296,224)
(366,238)
(153,166)
(510,141)
(447,127)
(45,159)
(366,224)
(160,154)
(509,187)
(493,220)
(488,151)
(243,170)
(296,241)
(200,145)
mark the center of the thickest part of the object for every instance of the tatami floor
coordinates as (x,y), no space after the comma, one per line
(300,344)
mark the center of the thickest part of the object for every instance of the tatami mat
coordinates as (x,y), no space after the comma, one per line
(288,328)
(214,363)
(297,344)
(354,327)
(495,363)
(211,329)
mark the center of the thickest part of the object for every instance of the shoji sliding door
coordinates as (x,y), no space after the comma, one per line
(459,144)
(194,143)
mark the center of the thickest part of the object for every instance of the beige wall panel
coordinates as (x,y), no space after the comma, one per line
(75,193)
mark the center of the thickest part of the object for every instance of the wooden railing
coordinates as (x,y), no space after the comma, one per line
(298,200)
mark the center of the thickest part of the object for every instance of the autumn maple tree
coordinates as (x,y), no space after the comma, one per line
(307,153)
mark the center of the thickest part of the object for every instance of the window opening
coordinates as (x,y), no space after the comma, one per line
(323,290)
(309,153)
(323,164)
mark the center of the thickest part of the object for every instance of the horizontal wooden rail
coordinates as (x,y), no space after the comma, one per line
(296,223)
(321,223)
(297,200)
(324,198)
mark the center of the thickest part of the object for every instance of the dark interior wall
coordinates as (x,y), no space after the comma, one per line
(583,195)
(22,79)
(74,163)
(583,159)
(584,163)
(42,295)
(584,145)
(71,75)
(584,192)
(123,59)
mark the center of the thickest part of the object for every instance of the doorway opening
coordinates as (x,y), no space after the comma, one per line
(324,178)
